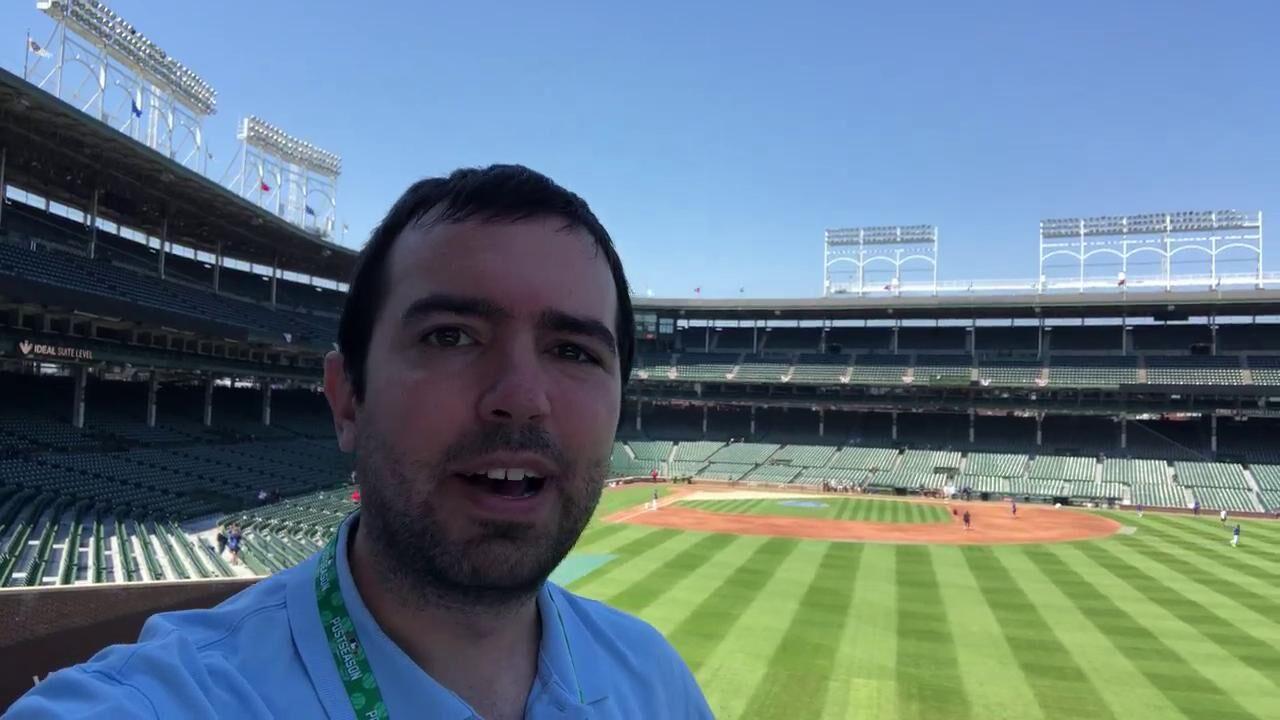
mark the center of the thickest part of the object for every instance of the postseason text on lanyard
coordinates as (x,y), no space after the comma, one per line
(353,666)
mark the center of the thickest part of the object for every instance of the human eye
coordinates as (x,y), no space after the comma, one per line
(575,353)
(447,337)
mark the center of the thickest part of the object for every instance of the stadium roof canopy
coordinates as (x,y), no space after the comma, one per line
(1158,305)
(58,152)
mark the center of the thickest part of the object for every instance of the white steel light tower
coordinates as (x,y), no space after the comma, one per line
(849,253)
(101,64)
(1223,247)
(290,177)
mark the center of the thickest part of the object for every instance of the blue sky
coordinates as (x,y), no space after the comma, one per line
(717,141)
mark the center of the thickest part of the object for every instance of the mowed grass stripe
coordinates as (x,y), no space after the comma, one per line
(928,674)
(649,540)
(732,672)
(712,620)
(606,580)
(981,650)
(1234,640)
(645,590)
(799,675)
(1060,686)
(1190,691)
(1205,538)
(1125,690)
(1211,563)
(870,650)
(1227,586)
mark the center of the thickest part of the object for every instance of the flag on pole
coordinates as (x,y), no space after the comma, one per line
(35,48)
(1121,279)
(135,104)
(697,291)
(309,210)
(262,185)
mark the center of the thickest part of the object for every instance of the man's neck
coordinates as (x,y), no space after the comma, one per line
(489,658)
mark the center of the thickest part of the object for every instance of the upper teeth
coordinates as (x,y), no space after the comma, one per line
(510,474)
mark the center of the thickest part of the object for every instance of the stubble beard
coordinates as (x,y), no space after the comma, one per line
(492,565)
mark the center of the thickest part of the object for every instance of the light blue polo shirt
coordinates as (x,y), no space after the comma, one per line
(263,654)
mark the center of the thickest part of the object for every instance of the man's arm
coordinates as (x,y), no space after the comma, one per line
(80,693)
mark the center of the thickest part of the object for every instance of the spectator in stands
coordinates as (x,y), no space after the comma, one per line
(222,539)
(234,539)
(483,350)
(355,495)
(262,497)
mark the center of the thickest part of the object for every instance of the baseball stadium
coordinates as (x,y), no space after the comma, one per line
(903,498)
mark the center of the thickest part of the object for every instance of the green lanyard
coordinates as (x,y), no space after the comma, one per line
(353,666)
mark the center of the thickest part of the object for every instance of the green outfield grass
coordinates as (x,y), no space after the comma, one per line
(831,508)
(1170,622)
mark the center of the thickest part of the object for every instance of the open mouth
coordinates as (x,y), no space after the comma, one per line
(510,483)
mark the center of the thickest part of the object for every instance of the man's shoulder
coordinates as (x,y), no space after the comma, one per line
(609,626)
(188,663)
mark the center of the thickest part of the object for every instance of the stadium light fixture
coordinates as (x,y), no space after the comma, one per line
(884,235)
(1150,224)
(95,20)
(264,135)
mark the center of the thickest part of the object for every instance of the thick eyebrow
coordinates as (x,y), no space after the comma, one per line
(454,305)
(563,322)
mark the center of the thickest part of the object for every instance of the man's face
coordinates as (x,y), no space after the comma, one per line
(492,394)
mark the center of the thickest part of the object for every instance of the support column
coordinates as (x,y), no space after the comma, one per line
(208,400)
(704,421)
(822,423)
(639,426)
(972,340)
(153,385)
(4,157)
(217,270)
(1124,432)
(1041,346)
(1126,339)
(266,402)
(1039,429)
(275,271)
(164,242)
(973,422)
(894,347)
(753,423)
(1213,435)
(706,347)
(77,408)
(93,223)
(894,432)
(755,336)
(1213,336)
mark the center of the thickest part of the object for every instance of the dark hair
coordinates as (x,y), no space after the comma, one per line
(500,193)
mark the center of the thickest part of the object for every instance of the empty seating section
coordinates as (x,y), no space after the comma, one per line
(995,464)
(820,369)
(1221,498)
(805,455)
(101,278)
(653,367)
(1209,474)
(1158,495)
(900,480)
(1265,369)
(943,370)
(1062,467)
(987,484)
(651,450)
(696,450)
(1267,476)
(749,453)
(1092,371)
(841,477)
(730,472)
(1009,372)
(678,469)
(1194,370)
(795,339)
(864,458)
(1135,472)
(754,369)
(1039,487)
(705,366)
(772,474)
(879,369)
